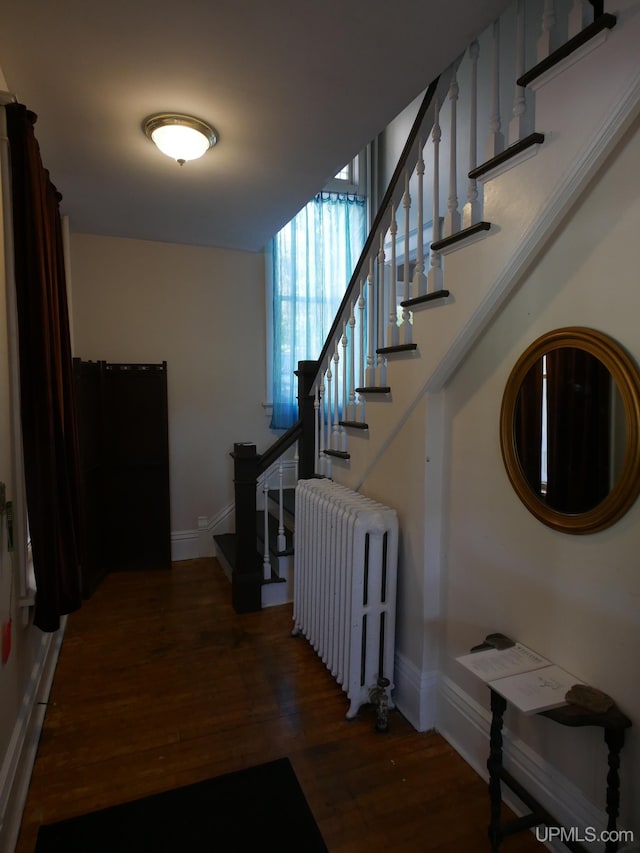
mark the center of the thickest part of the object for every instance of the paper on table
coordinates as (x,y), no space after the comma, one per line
(537,690)
(490,664)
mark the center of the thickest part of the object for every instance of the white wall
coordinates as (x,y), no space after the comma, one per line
(572,598)
(203,311)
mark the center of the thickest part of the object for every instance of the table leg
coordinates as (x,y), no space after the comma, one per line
(494,765)
(614,738)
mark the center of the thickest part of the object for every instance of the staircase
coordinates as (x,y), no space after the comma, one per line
(274,525)
(446,250)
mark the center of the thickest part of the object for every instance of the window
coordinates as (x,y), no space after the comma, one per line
(313,259)
(351,178)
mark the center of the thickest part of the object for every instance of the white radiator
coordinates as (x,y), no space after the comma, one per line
(344,600)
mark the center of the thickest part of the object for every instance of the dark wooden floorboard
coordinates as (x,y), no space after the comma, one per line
(161,684)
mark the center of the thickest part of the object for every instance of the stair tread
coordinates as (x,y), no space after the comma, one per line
(339,454)
(605,21)
(274,579)
(507,154)
(425,299)
(226,542)
(397,348)
(354,424)
(460,236)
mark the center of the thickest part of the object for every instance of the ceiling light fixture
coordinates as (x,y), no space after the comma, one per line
(180,137)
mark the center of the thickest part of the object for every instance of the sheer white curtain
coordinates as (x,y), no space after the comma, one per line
(314,256)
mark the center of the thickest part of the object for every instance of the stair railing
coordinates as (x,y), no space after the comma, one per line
(252,471)
(401,268)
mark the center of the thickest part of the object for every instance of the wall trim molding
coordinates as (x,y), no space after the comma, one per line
(193,544)
(15,774)
(415,694)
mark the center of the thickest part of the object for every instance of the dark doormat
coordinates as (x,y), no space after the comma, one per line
(261,808)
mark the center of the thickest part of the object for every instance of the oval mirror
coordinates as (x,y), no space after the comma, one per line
(569,430)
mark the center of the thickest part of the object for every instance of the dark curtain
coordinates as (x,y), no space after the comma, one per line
(528,426)
(579,405)
(46,378)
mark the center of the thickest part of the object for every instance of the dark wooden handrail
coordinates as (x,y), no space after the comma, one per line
(384,205)
(279,446)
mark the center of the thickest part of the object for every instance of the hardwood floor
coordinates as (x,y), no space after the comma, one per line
(160,684)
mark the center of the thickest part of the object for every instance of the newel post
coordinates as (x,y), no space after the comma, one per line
(306,373)
(246,580)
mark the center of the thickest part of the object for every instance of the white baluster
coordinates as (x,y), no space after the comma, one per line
(351,410)
(266,562)
(345,387)
(547,42)
(316,411)
(406,313)
(380,360)
(322,444)
(392,327)
(579,17)
(495,140)
(329,375)
(472,209)
(361,355)
(335,439)
(452,220)
(371,317)
(282,539)
(518,123)
(327,459)
(435,282)
(419,278)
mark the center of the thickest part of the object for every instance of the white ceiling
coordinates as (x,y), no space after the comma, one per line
(295,88)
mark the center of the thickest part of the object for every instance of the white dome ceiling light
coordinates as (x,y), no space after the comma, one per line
(180,137)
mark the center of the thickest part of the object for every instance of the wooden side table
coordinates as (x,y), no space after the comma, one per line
(613,722)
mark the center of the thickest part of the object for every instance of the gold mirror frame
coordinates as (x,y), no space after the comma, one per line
(626,376)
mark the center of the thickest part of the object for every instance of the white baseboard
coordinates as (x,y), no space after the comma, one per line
(465,725)
(185,545)
(17,766)
(192,544)
(415,693)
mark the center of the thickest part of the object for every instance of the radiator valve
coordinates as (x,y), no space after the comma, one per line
(380,700)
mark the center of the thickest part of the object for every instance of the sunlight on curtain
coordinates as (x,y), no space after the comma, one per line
(313,259)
